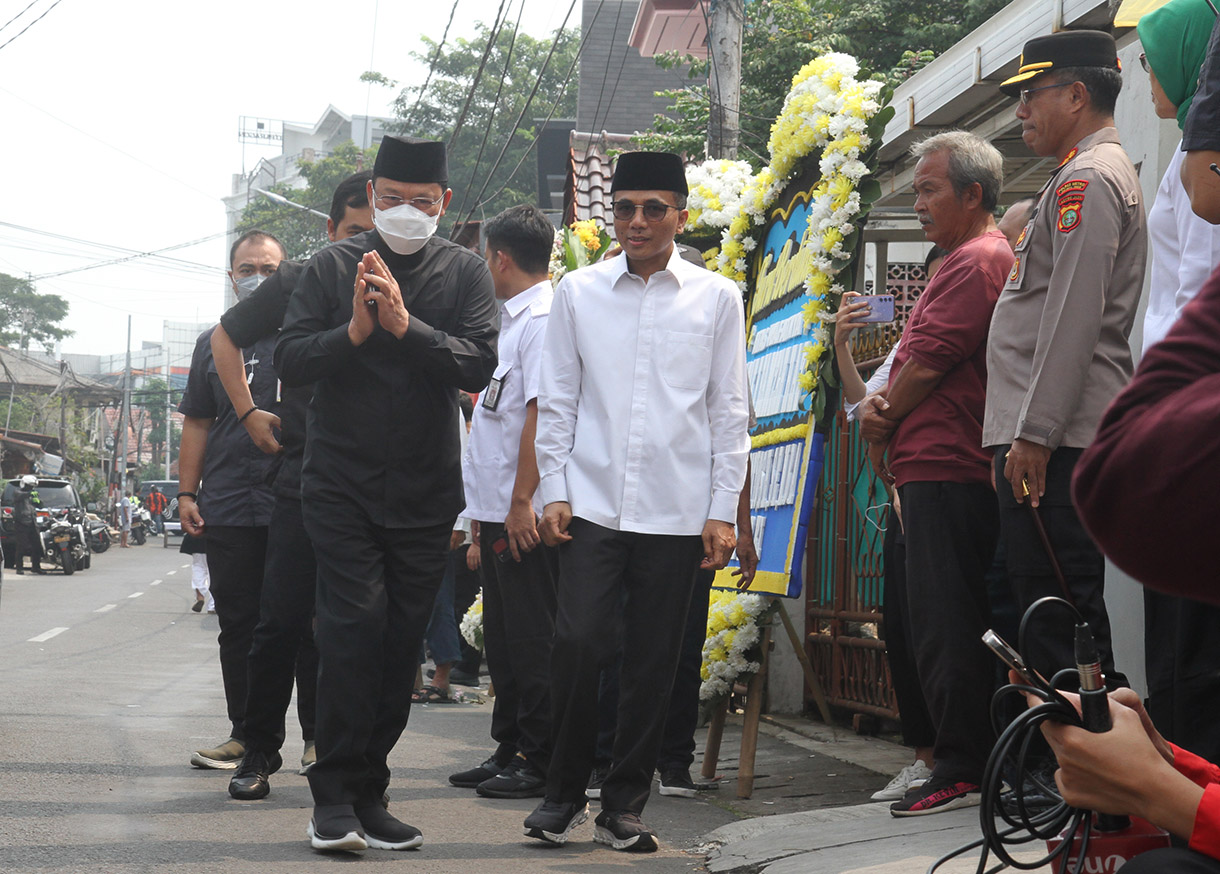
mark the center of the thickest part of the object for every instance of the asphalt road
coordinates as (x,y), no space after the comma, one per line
(109,682)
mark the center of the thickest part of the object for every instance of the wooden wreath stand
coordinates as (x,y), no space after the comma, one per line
(754,696)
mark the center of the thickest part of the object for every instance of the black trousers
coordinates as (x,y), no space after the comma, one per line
(282,644)
(1182,658)
(616,585)
(678,739)
(951,531)
(236,555)
(519,604)
(27,542)
(376,587)
(1050,639)
(917,727)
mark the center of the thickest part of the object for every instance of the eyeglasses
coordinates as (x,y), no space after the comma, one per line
(423,204)
(624,210)
(1028,93)
(1144,63)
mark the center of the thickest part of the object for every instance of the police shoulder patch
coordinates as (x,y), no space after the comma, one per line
(1069,216)
(1072,186)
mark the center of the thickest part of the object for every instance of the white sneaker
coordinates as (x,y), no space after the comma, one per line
(908,778)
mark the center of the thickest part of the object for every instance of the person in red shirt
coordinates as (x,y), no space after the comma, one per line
(925,435)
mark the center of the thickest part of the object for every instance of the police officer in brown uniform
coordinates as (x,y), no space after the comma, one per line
(1058,351)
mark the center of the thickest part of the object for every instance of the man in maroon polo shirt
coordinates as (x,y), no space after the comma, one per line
(925,434)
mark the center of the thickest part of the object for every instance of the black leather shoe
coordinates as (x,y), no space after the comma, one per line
(519,780)
(253,778)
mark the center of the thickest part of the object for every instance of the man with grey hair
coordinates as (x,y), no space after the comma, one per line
(924,431)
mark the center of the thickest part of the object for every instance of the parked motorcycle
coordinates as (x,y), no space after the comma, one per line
(100,537)
(141,524)
(63,539)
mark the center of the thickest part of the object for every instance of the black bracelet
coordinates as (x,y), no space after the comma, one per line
(191,495)
(247,413)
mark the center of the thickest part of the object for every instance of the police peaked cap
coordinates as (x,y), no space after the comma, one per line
(649,171)
(1068,48)
(407,159)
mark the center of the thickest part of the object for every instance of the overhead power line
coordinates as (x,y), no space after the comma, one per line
(478,74)
(18,15)
(436,55)
(31,24)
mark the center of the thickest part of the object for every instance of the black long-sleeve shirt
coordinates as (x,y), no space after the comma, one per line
(382,428)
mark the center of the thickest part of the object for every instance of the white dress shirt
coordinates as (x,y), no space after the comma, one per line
(642,406)
(489,465)
(1185,249)
(879,380)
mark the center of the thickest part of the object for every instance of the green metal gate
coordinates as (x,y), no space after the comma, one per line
(845,625)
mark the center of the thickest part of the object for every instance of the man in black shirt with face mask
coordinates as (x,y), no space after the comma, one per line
(387,325)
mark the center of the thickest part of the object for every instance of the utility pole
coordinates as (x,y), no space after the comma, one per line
(169,411)
(726,20)
(125,415)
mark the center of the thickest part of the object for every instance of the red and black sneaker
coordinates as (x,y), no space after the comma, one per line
(936,796)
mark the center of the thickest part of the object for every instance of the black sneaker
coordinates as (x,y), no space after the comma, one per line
(383,831)
(937,796)
(334,827)
(677,783)
(553,821)
(623,830)
(519,780)
(252,780)
(472,778)
(596,779)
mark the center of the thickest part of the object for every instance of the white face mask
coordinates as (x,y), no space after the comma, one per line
(247,284)
(404,228)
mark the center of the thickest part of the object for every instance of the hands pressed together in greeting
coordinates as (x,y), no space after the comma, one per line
(377,299)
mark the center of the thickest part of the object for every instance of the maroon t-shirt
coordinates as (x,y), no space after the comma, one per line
(1149,485)
(942,438)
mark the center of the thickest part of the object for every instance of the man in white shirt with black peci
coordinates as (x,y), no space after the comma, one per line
(642,446)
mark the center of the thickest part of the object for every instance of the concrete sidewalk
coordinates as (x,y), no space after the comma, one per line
(810,812)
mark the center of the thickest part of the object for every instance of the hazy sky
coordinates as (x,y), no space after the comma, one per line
(120,131)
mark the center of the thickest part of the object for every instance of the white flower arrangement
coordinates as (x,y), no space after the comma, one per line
(716,189)
(732,632)
(472,623)
(827,112)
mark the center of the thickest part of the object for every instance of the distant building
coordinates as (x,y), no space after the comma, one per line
(300,143)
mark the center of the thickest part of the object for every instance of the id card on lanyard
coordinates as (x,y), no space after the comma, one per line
(491,396)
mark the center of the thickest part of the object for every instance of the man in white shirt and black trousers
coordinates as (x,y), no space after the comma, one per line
(500,478)
(642,448)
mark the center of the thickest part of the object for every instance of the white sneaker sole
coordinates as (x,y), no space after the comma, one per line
(645,843)
(677,791)
(350,842)
(200,761)
(558,837)
(377,843)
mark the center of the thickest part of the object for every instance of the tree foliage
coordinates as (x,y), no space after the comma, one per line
(513,69)
(26,315)
(301,232)
(891,38)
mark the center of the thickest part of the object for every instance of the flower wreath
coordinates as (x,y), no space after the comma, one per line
(732,635)
(830,113)
(472,623)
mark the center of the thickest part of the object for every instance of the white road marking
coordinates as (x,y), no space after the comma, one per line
(135,594)
(157,582)
(186,565)
(47,635)
(105,608)
(170,573)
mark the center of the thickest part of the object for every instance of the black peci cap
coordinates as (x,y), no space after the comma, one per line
(649,171)
(407,159)
(1068,48)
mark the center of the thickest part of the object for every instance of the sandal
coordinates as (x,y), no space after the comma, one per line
(431,695)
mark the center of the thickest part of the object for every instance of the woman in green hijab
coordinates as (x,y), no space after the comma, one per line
(1175,38)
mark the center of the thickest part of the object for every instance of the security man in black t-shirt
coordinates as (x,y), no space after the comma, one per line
(387,326)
